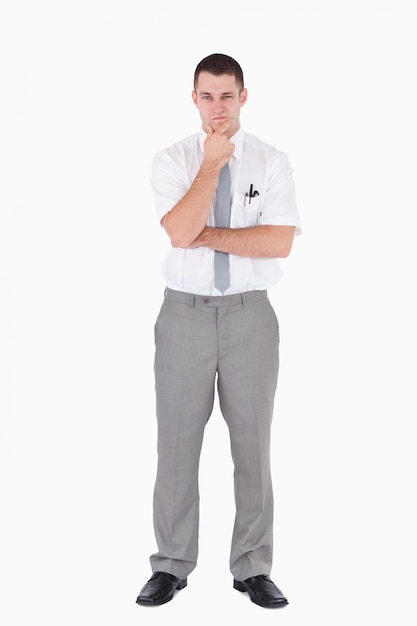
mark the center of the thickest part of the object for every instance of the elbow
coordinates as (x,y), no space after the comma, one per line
(179,237)
(179,241)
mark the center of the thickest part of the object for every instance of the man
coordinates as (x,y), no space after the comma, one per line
(225,332)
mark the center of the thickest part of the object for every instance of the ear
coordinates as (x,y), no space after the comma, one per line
(243,96)
(194,97)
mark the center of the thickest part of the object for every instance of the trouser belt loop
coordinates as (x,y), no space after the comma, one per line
(243,299)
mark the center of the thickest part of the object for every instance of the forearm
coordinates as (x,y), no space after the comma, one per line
(189,216)
(263,241)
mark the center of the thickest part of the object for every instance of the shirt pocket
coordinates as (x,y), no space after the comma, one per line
(245,213)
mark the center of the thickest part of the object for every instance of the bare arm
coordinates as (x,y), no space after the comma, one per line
(188,217)
(263,241)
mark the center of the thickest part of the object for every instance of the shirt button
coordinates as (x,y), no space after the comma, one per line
(206,300)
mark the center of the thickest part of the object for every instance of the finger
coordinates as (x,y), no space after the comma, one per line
(223,128)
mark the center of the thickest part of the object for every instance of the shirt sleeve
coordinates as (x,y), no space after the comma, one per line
(167,182)
(280,206)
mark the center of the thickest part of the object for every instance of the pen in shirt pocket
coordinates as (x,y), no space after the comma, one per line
(251,194)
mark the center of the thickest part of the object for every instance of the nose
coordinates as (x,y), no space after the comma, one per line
(218,107)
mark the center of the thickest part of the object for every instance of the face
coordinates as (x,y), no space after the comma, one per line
(217,99)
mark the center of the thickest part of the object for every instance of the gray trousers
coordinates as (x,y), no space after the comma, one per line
(198,340)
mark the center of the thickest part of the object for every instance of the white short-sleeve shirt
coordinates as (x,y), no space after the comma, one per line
(253,163)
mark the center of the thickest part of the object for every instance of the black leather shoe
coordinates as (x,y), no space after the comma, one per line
(262,591)
(160,589)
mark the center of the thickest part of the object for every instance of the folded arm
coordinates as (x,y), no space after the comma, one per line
(188,217)
(262,241)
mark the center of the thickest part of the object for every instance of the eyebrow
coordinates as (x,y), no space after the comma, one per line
(225,93)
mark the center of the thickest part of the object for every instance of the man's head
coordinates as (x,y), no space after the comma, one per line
(219,91)
(218,64)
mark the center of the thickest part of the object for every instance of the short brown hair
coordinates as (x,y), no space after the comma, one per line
(218,64)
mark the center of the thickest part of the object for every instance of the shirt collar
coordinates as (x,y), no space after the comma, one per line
(237,139)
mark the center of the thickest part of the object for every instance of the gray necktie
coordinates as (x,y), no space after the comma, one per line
(222,216)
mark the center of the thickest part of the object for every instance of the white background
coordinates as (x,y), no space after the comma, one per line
(89,91)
